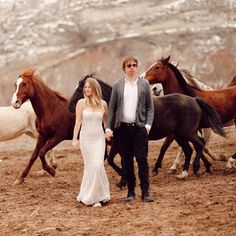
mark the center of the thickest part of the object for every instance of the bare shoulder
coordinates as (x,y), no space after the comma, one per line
(82,100)
(104,104)
(80,103)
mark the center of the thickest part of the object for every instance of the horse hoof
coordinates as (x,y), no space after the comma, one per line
(222,158)
(18,181)
(51,171)
(172,171)
(197,174)
(40,173)
(208,170)
(54,165)
(154,173)
(207,173)
(183,175)
(121,185)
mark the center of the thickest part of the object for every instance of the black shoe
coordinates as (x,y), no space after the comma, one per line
(130,197)
(147,198)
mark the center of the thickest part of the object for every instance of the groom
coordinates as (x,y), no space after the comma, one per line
(131,111)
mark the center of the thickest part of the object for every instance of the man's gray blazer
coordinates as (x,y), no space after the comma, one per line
(145,108)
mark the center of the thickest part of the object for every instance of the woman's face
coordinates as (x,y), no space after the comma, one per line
(87,89)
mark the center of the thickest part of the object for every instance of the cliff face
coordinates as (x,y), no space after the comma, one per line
(67,39)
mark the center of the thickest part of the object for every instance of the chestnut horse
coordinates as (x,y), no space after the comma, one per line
(223,100)
(54,122)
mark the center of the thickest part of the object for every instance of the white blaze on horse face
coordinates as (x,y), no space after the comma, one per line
(14,97)
(144,74)
(151,66)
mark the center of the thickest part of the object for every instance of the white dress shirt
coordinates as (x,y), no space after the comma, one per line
(130,101)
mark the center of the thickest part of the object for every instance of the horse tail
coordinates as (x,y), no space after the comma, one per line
(210,117)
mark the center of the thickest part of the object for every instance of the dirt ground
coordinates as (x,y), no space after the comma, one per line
(44,205)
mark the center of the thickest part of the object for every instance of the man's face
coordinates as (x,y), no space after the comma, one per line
(131,68)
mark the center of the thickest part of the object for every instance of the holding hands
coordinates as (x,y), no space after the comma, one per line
(109,135)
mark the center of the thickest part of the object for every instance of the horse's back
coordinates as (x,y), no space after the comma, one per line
(223,100)
(14,123)
(174,113)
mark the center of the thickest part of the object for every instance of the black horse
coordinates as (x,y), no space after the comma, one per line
(176,116)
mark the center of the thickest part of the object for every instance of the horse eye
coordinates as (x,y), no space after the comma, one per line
(24,84)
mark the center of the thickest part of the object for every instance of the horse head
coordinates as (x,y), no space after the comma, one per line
(23,88)
(79,92)
(157,72)
(157,89)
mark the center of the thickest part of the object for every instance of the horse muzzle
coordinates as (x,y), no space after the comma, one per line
(16,104)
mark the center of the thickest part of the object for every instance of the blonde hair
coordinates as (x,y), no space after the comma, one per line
(96,99)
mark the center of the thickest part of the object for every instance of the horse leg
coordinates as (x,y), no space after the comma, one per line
(52,158)
(110,159)
(164,147)
(198,144)
(173,168)
(50,154)
(206,135)
(183,143)
(122,183)
(51,143)
(34,156)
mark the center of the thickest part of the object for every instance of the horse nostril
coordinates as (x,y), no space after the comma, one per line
(16,104)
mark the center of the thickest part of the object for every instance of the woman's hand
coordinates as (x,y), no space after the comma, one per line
(109,135)
(75,143)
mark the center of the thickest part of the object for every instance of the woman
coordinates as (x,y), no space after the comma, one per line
(91,113)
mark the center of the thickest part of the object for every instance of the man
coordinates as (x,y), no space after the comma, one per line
(131,112)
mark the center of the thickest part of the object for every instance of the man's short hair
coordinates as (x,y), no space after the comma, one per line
(128,59)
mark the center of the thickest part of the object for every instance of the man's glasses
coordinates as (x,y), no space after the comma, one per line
(134,65)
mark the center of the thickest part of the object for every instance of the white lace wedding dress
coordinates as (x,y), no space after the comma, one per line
(95,186)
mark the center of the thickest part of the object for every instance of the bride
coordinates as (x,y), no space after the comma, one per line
(91,115)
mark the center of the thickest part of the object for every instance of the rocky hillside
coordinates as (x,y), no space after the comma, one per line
(65,39)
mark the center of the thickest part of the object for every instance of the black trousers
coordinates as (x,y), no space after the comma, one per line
(134,143)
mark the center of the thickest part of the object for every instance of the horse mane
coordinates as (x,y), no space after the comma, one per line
(78,93)
(31,73)
(192,81)
(188,90)
(232,82)
(106,88)
(101,82)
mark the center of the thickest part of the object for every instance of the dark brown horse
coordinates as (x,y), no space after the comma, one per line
(54,122)
(224,100)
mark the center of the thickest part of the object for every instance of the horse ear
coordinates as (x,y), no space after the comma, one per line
(28,73)
(166,60)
